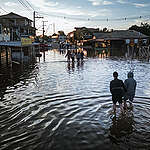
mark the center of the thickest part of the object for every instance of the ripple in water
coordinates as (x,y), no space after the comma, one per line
(58,107)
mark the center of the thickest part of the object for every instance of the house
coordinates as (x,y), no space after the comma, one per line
(15,38)
(54,37)
(117,42)
(61,37)
(14,26)
(81,33)
(71,37)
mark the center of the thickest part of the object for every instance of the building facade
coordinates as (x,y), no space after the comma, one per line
(14,26)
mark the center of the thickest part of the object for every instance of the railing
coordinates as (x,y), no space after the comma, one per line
(144,53)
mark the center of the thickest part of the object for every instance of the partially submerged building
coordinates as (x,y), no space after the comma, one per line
(16,34)
(14,26)
(117,42)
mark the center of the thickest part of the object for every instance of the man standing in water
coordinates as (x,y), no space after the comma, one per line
(130,85)
(117,89)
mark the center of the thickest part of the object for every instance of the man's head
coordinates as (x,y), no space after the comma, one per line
(115,74)
(130,74)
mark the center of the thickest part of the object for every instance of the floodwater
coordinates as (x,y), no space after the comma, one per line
(54,105)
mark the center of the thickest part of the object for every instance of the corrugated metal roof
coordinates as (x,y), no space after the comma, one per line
(120,34)
(13,16)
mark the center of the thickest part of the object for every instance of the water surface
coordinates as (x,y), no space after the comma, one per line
(55,105)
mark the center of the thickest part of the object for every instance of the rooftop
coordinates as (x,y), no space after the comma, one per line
(13,16)
(120,34)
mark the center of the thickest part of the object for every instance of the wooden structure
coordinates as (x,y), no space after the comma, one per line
(18,53)
(144,52)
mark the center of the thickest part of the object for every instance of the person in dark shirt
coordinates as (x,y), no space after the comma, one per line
(68,55)
(117,89)
(82,56)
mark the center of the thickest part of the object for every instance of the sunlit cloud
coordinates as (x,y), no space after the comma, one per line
(107,3)
(122,1)
(100,2)
(140,5)
(51,4)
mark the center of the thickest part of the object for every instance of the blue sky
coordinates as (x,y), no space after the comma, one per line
(67,14)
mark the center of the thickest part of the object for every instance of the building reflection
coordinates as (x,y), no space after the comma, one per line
(14,73)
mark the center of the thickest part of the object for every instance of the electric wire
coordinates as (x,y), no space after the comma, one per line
(29,4)
(3,9)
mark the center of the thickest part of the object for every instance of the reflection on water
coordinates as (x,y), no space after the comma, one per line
(58,105)
(122,126)
(71,66)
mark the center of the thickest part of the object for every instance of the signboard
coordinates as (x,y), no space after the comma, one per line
(131,42)
(26,41)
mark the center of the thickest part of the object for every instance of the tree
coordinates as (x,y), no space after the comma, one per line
(61,33)
(105,30)
(143,28)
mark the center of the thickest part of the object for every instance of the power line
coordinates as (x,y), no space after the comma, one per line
(91,19)
(29,5)
(43,28)
(24,5)
(3,9)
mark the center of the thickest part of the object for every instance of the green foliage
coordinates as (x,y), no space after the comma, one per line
(61,33)
(143,28)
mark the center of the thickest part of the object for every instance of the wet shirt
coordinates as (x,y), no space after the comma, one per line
(117,87)
(130,85)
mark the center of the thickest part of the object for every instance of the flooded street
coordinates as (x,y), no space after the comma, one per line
(55,105)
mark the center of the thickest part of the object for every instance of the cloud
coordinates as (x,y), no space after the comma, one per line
(100,2)
(51,4)
(140,5)
(10,4)
(76,12)
(107,3)
(122,1)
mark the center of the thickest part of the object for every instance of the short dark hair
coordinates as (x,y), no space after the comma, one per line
(115,74)
(130,74)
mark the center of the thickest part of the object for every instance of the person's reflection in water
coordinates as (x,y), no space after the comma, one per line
(73,66)
(121,127)
(70,66)
(80,65)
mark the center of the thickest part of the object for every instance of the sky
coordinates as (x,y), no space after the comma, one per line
(67,14)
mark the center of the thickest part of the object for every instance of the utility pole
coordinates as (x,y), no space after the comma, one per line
(54,27)
(34,17)
(43,29)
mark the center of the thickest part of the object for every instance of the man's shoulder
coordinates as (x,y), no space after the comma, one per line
(120,80)
(111,81)
(116,80)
